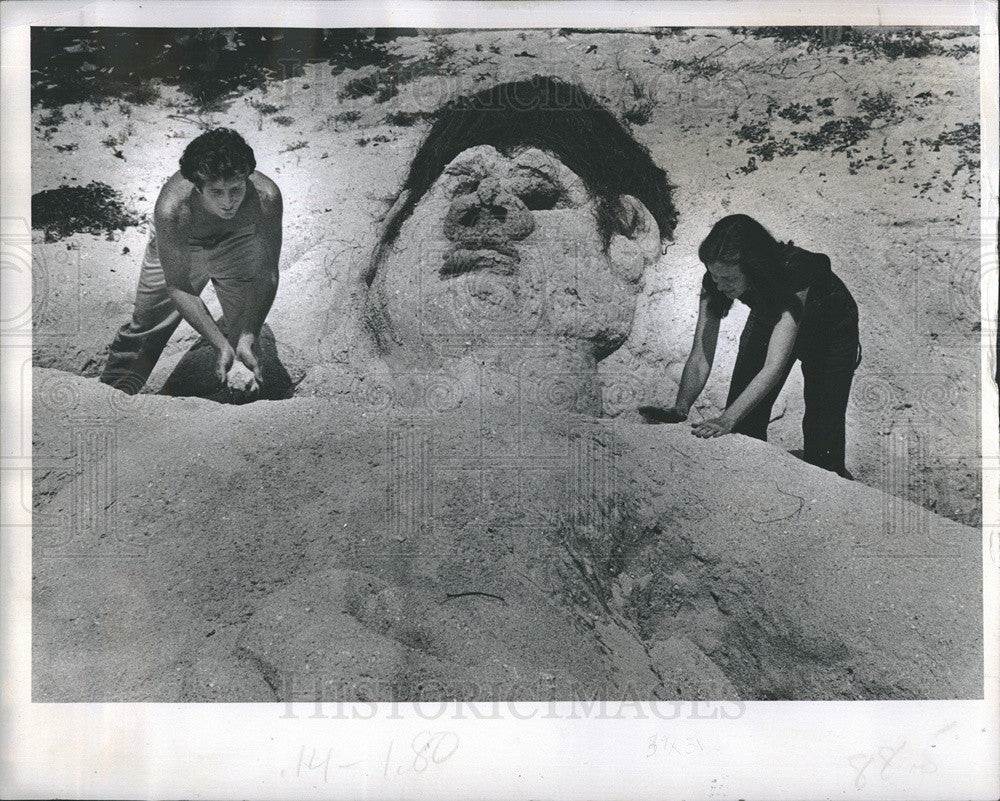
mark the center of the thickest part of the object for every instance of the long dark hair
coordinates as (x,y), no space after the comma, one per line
(740,239)
(550,114)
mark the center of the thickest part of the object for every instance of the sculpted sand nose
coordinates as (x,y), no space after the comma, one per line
(484,225)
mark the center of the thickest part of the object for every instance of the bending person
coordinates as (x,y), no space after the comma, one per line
(798,310)
(217,219)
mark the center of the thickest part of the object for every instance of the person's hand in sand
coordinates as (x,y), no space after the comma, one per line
(716,427)
(657,414)
(241,382)
(224,362)
(243,377)
(247,354)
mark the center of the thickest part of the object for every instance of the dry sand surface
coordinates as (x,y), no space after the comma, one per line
(254,542)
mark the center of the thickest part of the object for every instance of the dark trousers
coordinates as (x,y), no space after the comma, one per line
(829,355)
(138,344)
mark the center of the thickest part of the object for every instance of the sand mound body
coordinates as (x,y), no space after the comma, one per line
(307,548)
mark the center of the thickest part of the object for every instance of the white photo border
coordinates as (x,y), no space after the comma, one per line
(775,750)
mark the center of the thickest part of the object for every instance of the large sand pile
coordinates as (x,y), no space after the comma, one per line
(295,550)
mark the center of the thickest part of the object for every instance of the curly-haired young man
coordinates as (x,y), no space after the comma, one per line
(216,219)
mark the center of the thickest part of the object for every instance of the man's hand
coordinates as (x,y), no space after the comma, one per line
(717,427)
(226,357)
(241,382)
(246,352)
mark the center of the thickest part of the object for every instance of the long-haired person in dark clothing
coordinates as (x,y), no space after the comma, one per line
(798,310)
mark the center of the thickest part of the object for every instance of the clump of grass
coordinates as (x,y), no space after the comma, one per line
(93,208)
(771,148)
(373,140)
(753,131)
(882,105)
(441,50)
(870,44)
(263,108)
(141,95)
(120,139)
(284,121)
(380,84)
(347,116)
(639,106)
(52,118)
(404,119)
(49,123)
(837,135)
(825,106)
(294,146)
(384,84)
(966,138)
(796,113)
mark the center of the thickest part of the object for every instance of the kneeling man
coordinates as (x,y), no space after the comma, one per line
(216,219)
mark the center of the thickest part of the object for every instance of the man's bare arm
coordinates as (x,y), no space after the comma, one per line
(266,280)
(246,330)
(171,244)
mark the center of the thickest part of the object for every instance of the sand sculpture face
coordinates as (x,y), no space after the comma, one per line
(505,249)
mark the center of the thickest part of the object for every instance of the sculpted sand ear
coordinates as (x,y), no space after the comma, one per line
(636,244)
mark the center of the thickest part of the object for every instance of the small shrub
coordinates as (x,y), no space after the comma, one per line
(639,108)
(837,135)
(771,148)
(141,95)
(53,118)
(404,119)
(825,106)
(93,208)
(379,83)
(881,105)
(753,131)
(796,113)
